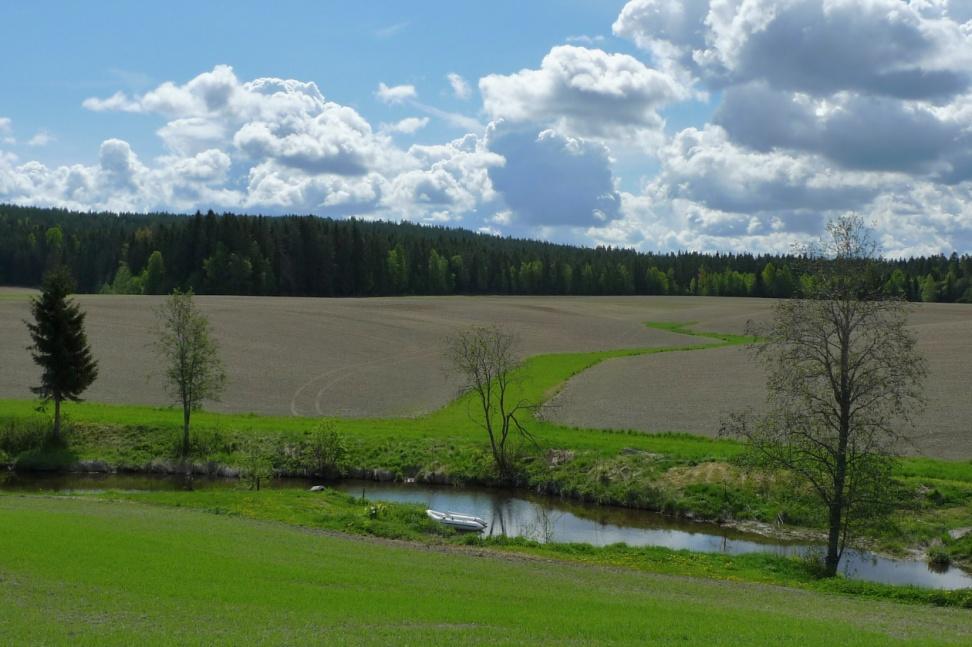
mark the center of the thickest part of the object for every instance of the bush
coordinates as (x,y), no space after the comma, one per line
(325,451)
(257,463)
(939,558)
(20,435)
(813,563)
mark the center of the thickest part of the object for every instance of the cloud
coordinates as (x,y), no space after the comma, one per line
(907,50)
(395,94)
(41,138)
(121,182)
(825,107)
(391,30)
(6,131)
(856,131)
(460,87)
(406,94)
(715,195)
(549,179)
(335,140)
(406,126)
(117,101)
(706,167)
(451,180)
(584,39)
(269,145)
(454,119)
(586,93)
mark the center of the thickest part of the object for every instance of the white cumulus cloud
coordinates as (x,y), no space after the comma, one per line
(396,93)
(585,92)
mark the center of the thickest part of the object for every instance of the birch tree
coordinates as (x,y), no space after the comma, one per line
(192,366)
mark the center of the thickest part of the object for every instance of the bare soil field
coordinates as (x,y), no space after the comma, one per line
(384,357)
(343,357)
(692,392)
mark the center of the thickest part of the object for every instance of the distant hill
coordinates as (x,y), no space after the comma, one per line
(312,256)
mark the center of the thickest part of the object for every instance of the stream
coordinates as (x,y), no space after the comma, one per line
(544,519)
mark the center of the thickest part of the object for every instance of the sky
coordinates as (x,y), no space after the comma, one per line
(706,125)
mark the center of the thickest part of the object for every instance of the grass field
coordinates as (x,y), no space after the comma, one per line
(92,572)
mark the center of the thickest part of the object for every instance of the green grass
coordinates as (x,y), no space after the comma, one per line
(75,571)
(337,511)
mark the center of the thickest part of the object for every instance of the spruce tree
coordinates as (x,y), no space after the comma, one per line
(60,345)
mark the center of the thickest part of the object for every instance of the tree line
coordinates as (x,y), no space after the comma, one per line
(313,256)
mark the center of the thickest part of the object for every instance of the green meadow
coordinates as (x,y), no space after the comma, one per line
(87,572)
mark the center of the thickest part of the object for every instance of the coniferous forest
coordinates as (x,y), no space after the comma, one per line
(312,256)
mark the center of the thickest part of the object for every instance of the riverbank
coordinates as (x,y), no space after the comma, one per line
(80,570)
(334,511)
(676,474)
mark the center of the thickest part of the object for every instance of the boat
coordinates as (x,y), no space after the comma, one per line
(457,520)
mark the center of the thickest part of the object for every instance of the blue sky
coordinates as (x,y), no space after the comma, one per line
(645,124)
(78,50)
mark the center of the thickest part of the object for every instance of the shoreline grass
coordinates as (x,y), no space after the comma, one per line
(82,571)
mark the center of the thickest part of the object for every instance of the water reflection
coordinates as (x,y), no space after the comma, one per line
(546,519)
(543,519)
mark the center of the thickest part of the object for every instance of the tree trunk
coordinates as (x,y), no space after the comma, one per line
(833,539)
(838,503)
(185,432)
(57,419)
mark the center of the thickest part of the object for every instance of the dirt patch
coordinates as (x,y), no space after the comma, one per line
(693,392)
(342,357)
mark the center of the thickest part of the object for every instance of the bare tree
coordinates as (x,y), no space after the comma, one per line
(484,358)
(190,355)
(844,379)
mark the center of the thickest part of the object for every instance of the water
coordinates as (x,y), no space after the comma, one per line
(547,519)
(544,519)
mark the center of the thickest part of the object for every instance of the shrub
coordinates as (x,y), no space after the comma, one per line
(257,463)
(939,558)
(19,435)
(325,451)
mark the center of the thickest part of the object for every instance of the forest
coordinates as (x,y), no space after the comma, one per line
(313,256)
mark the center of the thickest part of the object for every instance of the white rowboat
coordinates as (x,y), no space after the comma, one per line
(457,520)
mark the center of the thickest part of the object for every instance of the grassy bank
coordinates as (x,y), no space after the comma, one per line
(340,512)
(83,571)
(674,473)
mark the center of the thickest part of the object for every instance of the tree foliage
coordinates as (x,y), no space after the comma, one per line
(309,256)
(190,357)
(844,382)
(60,345)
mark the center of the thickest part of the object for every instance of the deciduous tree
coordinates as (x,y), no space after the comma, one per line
(190,357)
(844,381)
(484,358)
